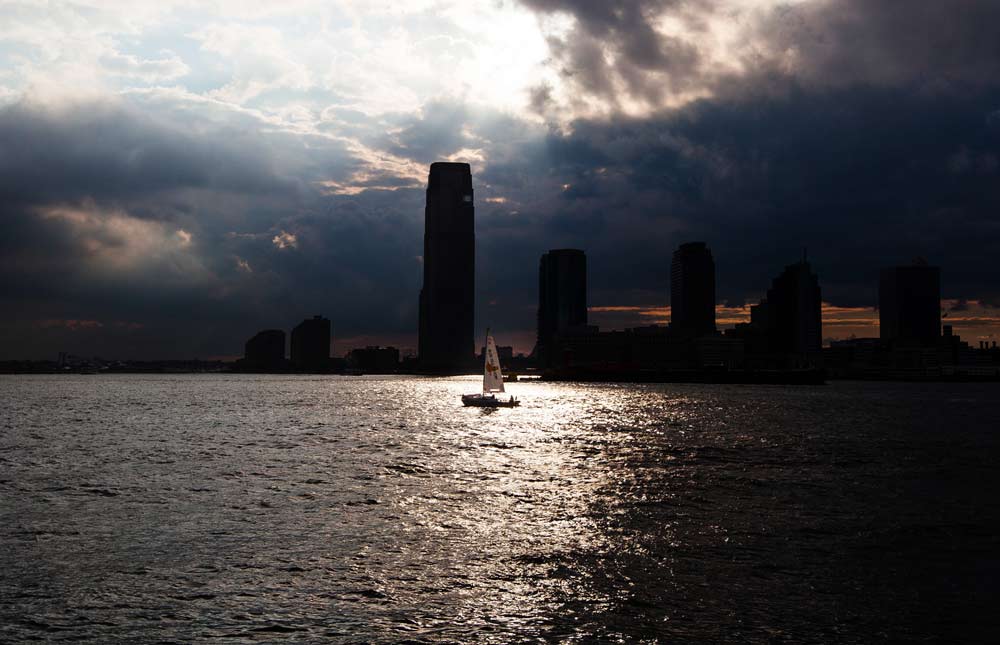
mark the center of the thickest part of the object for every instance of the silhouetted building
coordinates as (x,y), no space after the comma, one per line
(786,328)
(310,346)
(374,360)
(266,350)
(792,312)
(447,299)
(692,291)
(562,298)
(950,358)
(643,349)
(504,352)
(909,305)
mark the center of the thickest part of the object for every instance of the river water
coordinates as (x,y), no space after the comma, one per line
(240,508)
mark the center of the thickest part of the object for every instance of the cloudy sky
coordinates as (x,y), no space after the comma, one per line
(175,175)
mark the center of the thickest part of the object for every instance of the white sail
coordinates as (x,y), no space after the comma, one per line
(492,378)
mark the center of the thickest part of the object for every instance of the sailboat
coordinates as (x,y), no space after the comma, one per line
(492,382)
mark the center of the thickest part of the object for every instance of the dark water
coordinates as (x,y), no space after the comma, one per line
(243,508)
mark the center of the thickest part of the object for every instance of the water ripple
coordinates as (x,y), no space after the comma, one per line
(379,510)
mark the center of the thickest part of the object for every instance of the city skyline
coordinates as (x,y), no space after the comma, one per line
(847,323)
(787,321)
(181,177)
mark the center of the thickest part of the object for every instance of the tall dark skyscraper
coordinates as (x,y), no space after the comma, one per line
(909,304)
(794,311)
(562,297)
(447,300)
(266,350)
(692,290)
(311,344)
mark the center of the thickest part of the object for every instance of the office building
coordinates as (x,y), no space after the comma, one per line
(504,352)
(374,360)
(562,298)
(447,299)
(692,291)
(909,305)
(266,350)
(792,312)
(310,345)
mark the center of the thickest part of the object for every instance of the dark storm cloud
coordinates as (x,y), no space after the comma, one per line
(894,42)
(164,230)
(865,131)
(619,42)
(864,177)
(106,149)
(619,50)
(434,133)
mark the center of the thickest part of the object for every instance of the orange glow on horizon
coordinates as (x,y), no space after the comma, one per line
(973,318)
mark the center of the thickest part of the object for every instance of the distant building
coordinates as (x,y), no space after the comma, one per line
(644,348)
(447,299)
(374,360)
(792,312)
(949,358)
(562,298)
(692,291)
(909,303)
(266,350)
(786,328)
(504,352)
(310,345)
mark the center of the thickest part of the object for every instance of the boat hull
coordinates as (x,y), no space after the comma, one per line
(488,401)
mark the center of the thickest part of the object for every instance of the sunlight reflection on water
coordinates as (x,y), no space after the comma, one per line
(380,509)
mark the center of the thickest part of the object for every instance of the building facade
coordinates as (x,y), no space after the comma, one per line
(909,305)
(374,360)
(692,291)
(793,312)
(266,350)
(310,344)
(562,298)
(447,299)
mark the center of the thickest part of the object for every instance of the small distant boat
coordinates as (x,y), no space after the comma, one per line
(492,382)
